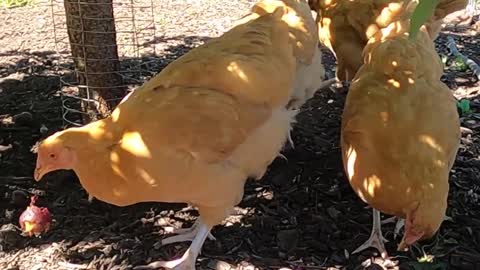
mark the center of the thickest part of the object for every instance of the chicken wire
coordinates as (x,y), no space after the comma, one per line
(473,7)
(135,34)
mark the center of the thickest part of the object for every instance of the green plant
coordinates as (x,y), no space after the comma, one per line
(459,64)
(463,107)
(15,3)
(421,14)
(426,262)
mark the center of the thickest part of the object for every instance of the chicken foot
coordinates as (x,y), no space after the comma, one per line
(398,226)
(187,261)
(376,239)
(185,235)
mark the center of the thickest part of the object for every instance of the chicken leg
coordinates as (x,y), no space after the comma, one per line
(187,261)
(376,239)
(185,235)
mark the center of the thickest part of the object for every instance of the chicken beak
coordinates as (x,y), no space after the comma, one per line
(403,245)
(38,174)
(409,238)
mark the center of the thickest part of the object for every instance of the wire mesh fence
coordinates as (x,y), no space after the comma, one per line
(473,7)
(134,34)
(127,29)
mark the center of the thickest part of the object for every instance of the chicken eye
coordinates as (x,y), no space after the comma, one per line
(52,155)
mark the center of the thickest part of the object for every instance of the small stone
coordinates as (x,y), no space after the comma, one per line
(333,213)
(23,119)
(20,198)
(287,239)
(43,129)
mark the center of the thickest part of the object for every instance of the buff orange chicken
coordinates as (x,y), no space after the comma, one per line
(194,133)
(400,131)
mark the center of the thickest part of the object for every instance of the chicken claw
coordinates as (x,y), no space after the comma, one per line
(187,261)
(398,226)
(376,239)
(186,235)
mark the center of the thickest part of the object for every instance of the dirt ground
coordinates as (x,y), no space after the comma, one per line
(302,215)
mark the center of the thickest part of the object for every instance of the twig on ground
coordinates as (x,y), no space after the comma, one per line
(15,178)
(73,266)
(5,147)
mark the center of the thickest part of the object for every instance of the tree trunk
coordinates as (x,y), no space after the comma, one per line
(92,36)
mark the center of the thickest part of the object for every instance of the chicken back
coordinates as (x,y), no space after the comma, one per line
(310,73)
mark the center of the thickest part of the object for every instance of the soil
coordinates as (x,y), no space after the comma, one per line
(301,215)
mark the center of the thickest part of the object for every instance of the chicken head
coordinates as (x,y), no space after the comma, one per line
(424,220)
(52,156)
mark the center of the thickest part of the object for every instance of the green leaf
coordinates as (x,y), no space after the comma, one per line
(421,14)
(464,106)
(459,64)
